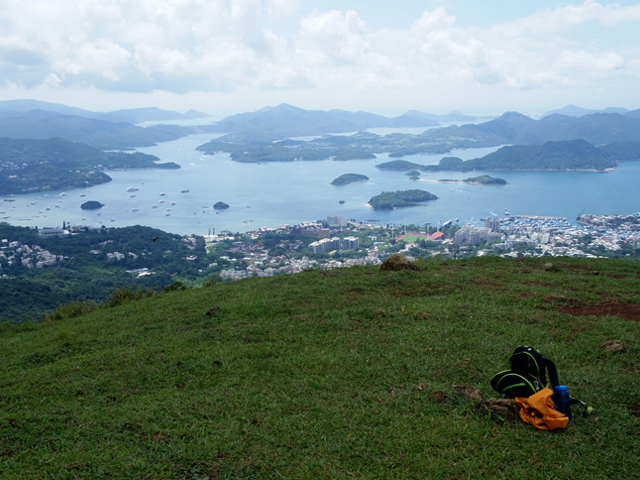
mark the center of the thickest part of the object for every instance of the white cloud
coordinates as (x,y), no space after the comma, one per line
(243,8)
(433,21)
(187,45)
(583,61)
(283,8)
(563,18)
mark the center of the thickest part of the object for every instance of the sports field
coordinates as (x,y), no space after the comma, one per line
(412,237)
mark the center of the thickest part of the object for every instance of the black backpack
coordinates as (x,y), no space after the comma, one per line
(527,374)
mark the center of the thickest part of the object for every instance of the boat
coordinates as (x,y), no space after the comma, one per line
(162,194)
(173,203)
(184,191)
(132,189)
(132,195)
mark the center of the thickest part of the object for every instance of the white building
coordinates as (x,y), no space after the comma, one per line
(51,232)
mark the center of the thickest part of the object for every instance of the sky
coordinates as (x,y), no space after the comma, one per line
(229,56)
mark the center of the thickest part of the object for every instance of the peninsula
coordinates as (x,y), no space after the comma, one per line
(30,165)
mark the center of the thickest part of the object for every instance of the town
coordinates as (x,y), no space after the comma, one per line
(337,242)
(341,243)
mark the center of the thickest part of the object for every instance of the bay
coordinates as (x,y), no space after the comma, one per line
(274,194)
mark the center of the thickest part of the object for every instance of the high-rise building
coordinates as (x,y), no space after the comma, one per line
(336,221)
(493,224)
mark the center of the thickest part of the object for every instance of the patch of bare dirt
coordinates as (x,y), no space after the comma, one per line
(489,284)
(615,275)
(558,299)
(626,311)
(574,267)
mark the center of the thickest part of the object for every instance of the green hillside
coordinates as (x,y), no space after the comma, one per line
(29,165)
(330,374)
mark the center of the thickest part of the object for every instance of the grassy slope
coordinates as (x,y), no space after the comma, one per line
(325,374)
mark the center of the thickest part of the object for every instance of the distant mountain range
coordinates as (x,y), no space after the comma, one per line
(34,119)
(289,121)
(137,115)
(575,111)
(273,123)
(515,128)
(97,133)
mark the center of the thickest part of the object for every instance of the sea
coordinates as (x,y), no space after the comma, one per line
(274,194)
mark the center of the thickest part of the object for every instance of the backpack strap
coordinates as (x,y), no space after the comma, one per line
(553,371)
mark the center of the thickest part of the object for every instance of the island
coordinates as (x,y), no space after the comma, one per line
(400,166)
(348,178)
(400,198)
(221,206)
(91,205)
(485,180)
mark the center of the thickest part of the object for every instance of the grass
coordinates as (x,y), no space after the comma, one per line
(326,374)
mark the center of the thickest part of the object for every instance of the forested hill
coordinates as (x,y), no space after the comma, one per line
(86,269)
(515,128)
(36,165)
(97,133)
(565,155)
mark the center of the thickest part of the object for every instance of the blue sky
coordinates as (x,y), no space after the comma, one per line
(229,56)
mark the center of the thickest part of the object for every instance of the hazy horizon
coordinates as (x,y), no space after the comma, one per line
(228,56)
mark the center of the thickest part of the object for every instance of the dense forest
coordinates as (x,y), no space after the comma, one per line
(400,198)
(56,164)
(564,155)
(96,263)
(338,147)
(348,178)
(485,180)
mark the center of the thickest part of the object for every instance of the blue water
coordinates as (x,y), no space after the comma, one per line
(273,194)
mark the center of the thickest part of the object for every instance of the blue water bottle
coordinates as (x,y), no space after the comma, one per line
(562,399)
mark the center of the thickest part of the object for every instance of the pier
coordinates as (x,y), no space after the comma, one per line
(538,217)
